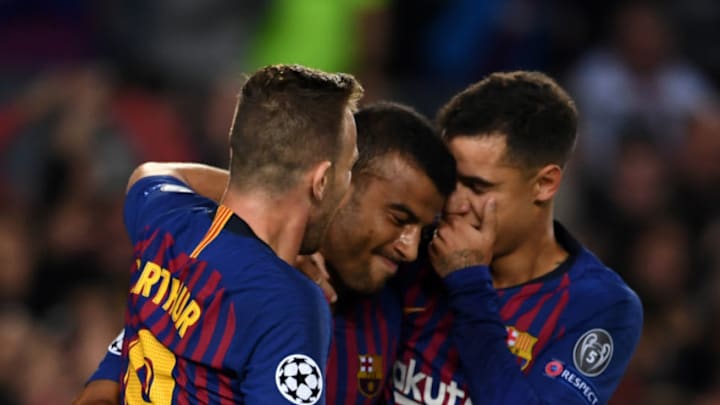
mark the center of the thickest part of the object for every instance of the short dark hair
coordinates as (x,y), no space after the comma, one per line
(537,117)
(385,128)
(288,118)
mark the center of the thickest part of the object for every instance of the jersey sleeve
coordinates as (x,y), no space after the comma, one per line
(111,365)
(583,365)
(151,197)
(291,344)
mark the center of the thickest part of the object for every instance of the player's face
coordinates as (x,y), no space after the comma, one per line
(338,188)
(483,173)
(380,226)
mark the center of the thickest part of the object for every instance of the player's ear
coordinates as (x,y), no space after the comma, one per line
(320,179)
(547,182)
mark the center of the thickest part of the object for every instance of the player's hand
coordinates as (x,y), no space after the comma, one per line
(314,267)
(458,244)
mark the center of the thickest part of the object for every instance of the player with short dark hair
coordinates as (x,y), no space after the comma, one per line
(514,278)
(401,180)
(402,177)
(215,314)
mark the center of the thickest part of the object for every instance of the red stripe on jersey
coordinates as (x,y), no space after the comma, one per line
(178,262)
(226,394)
(209,323)
(369,336)
(166,243)
(160,326)
(552,319)
(421,319)
(390,349)
(182,380)
(201,385)
(452,363)
(438,339)
(352,360)
(147,309)
(199,270)
(228,334)
(210,286)
(525,320)
(514,304)
(142,246)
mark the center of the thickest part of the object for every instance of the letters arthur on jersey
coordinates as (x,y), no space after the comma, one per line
(170,292)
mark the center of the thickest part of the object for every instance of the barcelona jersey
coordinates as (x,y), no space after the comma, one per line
(213,314)
(564,338)
(366,336)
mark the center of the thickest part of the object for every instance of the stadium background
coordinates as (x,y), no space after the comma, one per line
(90,89)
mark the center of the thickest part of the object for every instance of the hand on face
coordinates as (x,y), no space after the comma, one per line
(457,244)
(313,266)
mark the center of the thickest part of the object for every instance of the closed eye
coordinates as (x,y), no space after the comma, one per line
(476,184)
(401,215)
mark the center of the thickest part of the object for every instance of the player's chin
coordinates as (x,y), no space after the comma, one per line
(371,285)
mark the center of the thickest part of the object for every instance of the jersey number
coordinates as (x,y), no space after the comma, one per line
(149,377)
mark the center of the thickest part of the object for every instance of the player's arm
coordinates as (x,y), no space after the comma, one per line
(103,387)
(461,254)
(582,366)
(205,180)
(99,392)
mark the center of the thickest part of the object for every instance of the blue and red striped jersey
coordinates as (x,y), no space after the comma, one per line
(366,335)
(566,337)
(365,341)
(213,314)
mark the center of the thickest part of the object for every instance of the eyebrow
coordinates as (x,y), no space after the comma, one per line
(407,211)
(475,181)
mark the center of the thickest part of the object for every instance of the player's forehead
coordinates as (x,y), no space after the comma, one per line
(397,183)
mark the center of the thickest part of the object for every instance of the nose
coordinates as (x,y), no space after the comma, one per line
(458,202)
(407,244)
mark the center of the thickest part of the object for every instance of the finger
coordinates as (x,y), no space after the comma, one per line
(327,289)
(489,221)
(308,267)
(319,261)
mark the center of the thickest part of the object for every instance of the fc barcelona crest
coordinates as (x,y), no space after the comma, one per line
(370,374)
(521,344)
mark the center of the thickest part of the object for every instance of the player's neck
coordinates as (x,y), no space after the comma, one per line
(536,256)
(278,221)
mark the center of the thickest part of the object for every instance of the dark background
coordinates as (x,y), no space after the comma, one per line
(88,90)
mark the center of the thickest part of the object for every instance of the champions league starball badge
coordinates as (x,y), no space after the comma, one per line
(299,379)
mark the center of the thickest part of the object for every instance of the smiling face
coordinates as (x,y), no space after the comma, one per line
(381,224)
(484,172)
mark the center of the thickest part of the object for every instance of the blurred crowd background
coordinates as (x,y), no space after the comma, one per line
(90,89)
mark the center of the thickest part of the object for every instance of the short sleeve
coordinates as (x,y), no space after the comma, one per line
(111,365)
(287,363)
(153,196)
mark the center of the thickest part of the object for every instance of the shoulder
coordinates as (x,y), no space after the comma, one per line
(158,184)
(157,201)
(274,284)
(597,286)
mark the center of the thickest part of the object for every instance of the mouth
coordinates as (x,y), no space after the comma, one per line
(390,265)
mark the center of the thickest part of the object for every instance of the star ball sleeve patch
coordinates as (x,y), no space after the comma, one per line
(299,379)
(116,345)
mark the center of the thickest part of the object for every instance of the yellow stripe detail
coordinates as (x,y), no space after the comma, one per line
(222,215)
